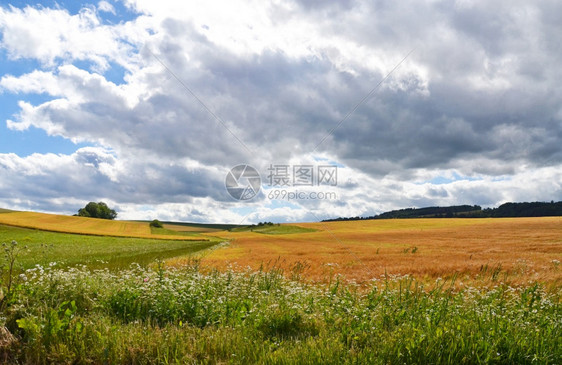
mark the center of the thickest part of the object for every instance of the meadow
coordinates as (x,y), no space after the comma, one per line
(36,247)
(185,316)
(439,291)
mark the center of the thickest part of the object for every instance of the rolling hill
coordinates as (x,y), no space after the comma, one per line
(84,226)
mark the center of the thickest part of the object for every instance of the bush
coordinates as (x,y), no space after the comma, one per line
(156,224)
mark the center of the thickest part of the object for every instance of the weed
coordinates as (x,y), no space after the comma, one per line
(408,250)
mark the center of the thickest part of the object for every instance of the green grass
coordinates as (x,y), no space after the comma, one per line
(274,229)
(69,249)
(185,316)
(5,211)
(165,231)
(209,227)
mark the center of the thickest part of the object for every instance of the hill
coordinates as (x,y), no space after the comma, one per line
(84,226)
(507,210)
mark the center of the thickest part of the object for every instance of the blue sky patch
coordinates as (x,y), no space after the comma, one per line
(441,180)
(35,140)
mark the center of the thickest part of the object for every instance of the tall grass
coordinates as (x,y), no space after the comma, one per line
(166,315)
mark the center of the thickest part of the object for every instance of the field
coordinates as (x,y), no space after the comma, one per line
(522,248)
(81,225)
(440,291)
(43,248)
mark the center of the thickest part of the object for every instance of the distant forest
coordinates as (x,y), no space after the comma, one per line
(536,209)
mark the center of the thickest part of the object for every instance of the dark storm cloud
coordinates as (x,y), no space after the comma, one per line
(460,118)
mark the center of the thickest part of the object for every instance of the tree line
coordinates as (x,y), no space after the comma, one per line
(534,209)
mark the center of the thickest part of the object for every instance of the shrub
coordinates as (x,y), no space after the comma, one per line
(156,224)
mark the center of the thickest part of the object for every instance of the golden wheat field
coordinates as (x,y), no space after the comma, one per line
(82,225)
(522,249)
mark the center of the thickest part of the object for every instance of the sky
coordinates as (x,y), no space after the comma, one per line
(339,108)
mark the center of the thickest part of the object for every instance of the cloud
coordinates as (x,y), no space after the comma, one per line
(52,36)
(106,7)
(203,90)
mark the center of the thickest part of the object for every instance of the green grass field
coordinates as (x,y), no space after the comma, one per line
(210,227)
(96,251)
(171,232)
(196,227)
(274,229)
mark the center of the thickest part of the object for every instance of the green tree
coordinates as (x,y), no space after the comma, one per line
(156,224)
(97,210)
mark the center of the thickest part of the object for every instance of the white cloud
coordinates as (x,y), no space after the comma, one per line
(37,82)
(54,35)
(106,7)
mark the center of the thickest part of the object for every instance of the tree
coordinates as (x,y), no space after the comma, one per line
(97,210)
(156,224)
